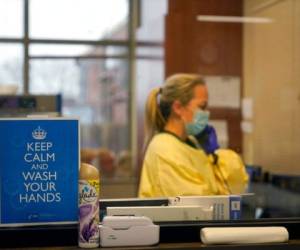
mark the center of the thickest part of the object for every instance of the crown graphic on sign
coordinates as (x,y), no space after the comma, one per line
(39,133)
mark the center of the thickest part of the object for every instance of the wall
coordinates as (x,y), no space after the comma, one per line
(207,48)
(271,79)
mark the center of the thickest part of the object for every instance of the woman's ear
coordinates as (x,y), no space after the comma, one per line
(177,108)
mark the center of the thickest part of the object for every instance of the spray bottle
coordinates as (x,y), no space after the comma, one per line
(89,182)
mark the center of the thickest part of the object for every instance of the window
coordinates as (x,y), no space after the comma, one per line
(79,50)
(11,67)
(68,19)
(11,18)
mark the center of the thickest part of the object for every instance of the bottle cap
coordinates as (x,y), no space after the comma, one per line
(88,171)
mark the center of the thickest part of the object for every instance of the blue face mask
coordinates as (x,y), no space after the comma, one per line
(200,120)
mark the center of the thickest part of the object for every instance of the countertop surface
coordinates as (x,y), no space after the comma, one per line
(292,244)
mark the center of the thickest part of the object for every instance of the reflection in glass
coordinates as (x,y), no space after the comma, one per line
(68,19)
(11,17)
(11,67)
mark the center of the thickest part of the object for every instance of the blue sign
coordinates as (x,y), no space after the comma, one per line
(39,162)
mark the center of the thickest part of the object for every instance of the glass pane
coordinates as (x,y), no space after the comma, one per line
(11,18)
(76,50)
(97,92)
(11,68)
(69,19)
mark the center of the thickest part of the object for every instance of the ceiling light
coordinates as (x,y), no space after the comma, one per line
(233,19)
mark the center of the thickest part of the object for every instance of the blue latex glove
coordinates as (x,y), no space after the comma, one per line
(208,139)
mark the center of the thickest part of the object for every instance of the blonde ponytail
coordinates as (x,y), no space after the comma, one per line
(154,121)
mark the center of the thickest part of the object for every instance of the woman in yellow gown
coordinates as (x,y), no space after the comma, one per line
(174,163)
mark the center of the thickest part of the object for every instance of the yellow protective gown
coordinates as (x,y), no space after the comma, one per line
(230,172)
(172,168)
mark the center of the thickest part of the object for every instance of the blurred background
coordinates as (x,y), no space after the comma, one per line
(98,59)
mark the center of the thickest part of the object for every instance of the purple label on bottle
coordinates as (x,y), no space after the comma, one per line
(88,212)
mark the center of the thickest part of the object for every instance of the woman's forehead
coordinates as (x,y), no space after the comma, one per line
(200,93)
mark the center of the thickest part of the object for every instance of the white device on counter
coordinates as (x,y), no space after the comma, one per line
(166,213)
(225,207)
(243,235)
(128,231)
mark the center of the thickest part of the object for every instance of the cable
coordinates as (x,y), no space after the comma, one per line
(215,163)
